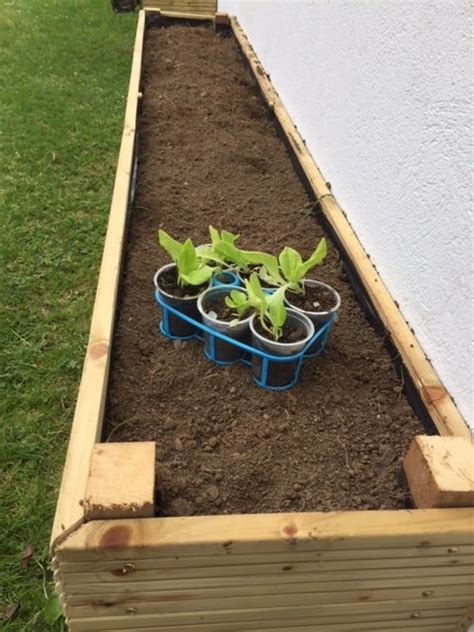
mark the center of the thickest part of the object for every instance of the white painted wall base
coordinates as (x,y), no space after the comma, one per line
(381,90)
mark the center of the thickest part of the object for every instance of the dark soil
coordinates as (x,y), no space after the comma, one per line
(289,333)
(217,305)
(209,153)
(315,299)
(168,282)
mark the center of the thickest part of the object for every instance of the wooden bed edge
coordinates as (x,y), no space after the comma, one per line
(87,422)
(178,15)
(420,527)
(444,413)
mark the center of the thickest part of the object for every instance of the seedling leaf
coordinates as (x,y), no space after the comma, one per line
(172,247)
(316,258)
(198,276)
(290,261)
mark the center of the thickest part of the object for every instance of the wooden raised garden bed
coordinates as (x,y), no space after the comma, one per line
(118,566)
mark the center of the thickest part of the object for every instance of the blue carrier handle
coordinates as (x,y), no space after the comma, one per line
(241,345)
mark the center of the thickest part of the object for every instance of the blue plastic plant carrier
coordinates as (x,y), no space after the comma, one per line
(260,360)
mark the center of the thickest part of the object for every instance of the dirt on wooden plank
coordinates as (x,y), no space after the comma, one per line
(209,153)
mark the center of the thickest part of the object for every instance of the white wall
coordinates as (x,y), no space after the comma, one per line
(381,91)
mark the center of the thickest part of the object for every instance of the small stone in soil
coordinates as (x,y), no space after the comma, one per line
(179,344)
(181,507)
(212,492)
(178,444)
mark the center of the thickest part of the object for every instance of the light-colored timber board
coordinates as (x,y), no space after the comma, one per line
(439,404)
(233,534)
(414,625)
(260,574)
(87,423)
(224,540)
(389,615)
(182,6)
(420,621)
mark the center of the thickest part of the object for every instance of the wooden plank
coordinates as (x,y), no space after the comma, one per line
(238,563)
(180,15)
(430,625)
(184,6)
(121,481)
(224,535)
(414,626)
(324,613)
(439,404)
(440,471)
(260,573)
(262,585)
(87,423)
(189,602)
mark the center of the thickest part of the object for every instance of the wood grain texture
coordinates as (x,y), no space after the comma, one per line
(87,423)
(440,471)
(439,404)
(183,7)
(121,481)
(391,614)
(222,536)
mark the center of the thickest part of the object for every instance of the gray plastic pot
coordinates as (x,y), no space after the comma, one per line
(175,327)
(280,373)
(222,352)
(318,318)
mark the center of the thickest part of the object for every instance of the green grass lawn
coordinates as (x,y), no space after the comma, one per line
(64,75)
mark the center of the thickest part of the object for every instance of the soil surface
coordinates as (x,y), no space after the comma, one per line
(315,299)
(216,307)
(168,282)
(210,153)
(290,332)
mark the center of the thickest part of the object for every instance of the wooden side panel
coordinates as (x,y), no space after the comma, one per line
(387,570)
(87,423)
(439,404)
(205,7)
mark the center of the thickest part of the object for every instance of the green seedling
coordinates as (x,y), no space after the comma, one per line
(269,307)
(238,302)
(191,267)
(292,270)
(224,250)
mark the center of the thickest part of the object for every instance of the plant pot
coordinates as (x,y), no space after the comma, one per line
(172,326)
(279,375)
(226,278)
(318,318)
(216,349)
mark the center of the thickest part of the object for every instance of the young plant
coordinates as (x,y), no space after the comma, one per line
(224,250)
(191,268)
(269,307)
(238,303)
(292,269)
